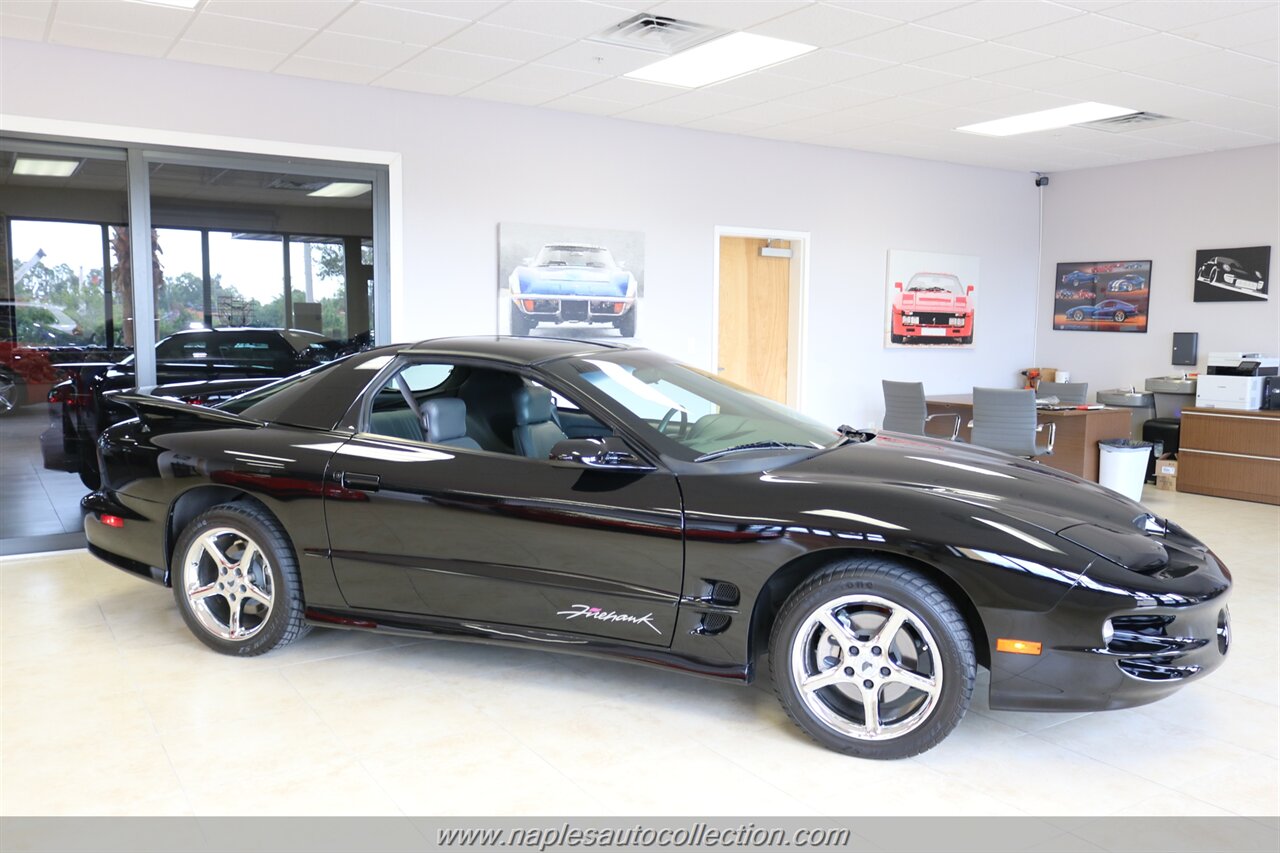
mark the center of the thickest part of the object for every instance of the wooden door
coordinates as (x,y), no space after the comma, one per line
(755,316)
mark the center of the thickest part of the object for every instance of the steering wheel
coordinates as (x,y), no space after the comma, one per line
(666,422)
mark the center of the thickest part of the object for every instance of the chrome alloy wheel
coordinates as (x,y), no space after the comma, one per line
(228,583)
(867,667)
(8,393)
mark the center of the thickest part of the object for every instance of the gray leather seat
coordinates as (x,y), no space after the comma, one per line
(400,423)
(1005,419)
(536,432)
(444,421)
(906,411)
(488,395)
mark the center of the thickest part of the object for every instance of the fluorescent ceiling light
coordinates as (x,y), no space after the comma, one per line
(725,57)
(341,189)
(40,167)
(1047,119)
(176,4)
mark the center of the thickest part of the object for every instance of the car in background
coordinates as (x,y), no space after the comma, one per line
(236,359)
(1067,293)
(1126,284)
(1079,277)
(1229,272)
(569,282)
(933,306)
(1107,309)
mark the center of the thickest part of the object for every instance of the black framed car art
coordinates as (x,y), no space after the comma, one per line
(1102,296)
(1233,275)
(607,500)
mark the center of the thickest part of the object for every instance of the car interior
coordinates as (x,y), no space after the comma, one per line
(478,409)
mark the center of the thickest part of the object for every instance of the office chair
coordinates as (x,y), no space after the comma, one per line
(1068,393)
(905,409)
(1005,419)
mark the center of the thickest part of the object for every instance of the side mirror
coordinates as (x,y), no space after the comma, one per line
(608,453)
(897,285)
(969,289)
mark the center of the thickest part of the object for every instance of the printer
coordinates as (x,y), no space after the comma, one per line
(1235,380)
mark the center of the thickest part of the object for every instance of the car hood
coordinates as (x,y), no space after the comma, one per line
(1032,493)
(571,273)
(926,300)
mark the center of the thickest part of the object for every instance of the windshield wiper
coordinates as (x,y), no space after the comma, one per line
(849,435)
(754,445)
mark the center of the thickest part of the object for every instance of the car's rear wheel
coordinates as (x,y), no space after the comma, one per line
(235,578)
(1119,316)
(1077,315)
(521,323)
(626,324)
(10,393)
(872,659)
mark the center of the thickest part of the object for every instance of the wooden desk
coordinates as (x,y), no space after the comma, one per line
(1075,447)
(1230,453)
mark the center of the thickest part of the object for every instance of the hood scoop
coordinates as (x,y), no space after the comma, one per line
(1136,553)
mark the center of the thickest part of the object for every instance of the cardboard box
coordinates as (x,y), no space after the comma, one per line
(1033,376)
(1167,472)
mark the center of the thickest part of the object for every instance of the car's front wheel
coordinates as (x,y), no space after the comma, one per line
(10,393)
(872,659)
(235,578)
(1077,315)
(1119,316)
(521,323)
(626,324)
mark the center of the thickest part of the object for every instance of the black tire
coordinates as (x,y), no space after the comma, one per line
(11,396)
(897,339)
(1119,316)
(626,324)
(521,323)
(1077,315)
(966,339)
(87,464)
(1213,275)
(950,656)
(277,574)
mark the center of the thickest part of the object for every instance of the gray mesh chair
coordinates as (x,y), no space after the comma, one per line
(1005,419)
(905,409)
(1069,393)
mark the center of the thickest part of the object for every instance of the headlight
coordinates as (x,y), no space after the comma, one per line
(956,321)
(910,320)
(1108,631)
(1229,278)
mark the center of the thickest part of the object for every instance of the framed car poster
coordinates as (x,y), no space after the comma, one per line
(569,282)
(1102,296)
(931,299)
(1233,275)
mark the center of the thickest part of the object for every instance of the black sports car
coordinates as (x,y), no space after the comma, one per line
(607,500)
(1229,273)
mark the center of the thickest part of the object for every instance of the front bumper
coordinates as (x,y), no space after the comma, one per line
(591,309)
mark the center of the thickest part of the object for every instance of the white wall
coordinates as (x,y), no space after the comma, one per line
(1163,210)
(466,165)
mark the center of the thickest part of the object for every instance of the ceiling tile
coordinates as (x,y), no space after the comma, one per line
(416,81)
(1051,72)
(455,65)
(1086,31)
(564,18)
(1243,116)
(980,59)
(503,42)
(828,66)
(13,27)
(706,102)
(783,133)
(27,8)
(189,50)
(324,69)
(312,13)
(1147,50)
(241,32)
(1139,93)
(1171,16)
(995,18)
(774,112)
(903,80)
(898,10)
(907,43)
(834,122)
(967,92)
(724,124)
(1236,30)
(892,109)
(139,18)
(141,44)
(729,16)
(547,78)
(393,24)
(660,114)
(1196,135)
(599,58)
(593,106)
(950,119)
(1093,5)
(1260,86)
(355,50)
(1025,102)
(633,92)
(1268,49)
(833,98)
(467,10)
(823,25)
(1193,70)
(761,86)
(495,91)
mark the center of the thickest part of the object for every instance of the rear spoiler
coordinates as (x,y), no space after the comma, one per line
(153,410)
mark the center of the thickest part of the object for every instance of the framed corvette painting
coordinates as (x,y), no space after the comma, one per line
(1102,296)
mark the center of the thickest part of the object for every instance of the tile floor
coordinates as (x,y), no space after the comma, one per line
(39,509)
(110,706)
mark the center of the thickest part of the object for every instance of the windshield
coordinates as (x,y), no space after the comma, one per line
(691,414)
(575,256)
(935,282)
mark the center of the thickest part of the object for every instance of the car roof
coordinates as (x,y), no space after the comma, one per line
(509,349)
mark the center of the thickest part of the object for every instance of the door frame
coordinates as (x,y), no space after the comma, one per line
(798,315)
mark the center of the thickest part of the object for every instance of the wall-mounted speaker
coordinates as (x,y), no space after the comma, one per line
(1184,347)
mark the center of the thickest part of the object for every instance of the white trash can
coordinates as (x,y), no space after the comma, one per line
(1122,465)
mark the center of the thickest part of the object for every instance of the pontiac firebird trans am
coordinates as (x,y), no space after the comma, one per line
(606,500)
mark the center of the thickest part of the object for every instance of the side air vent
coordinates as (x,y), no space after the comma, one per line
(713,623)
(1133,121)
(657,33)
(721,592)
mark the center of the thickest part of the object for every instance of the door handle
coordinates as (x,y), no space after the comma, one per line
(359,482)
